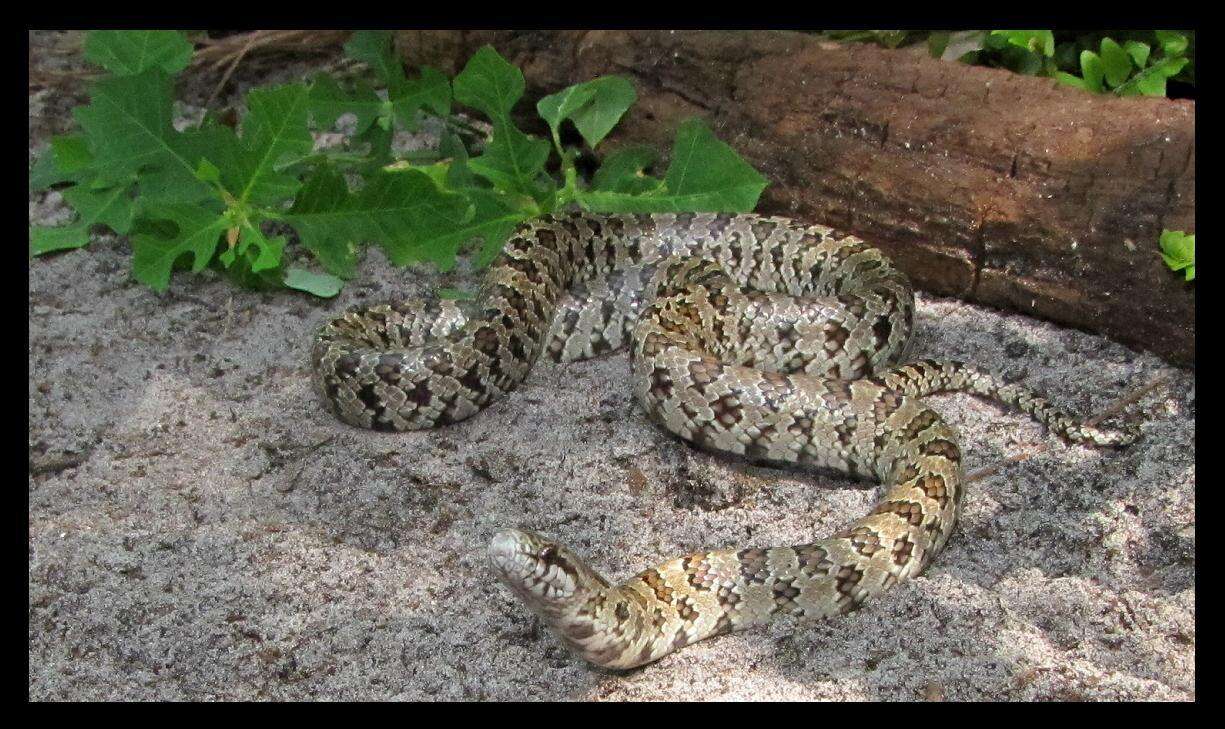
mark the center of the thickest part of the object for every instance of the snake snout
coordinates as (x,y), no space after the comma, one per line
(517,554)
(536,568)
(506,547)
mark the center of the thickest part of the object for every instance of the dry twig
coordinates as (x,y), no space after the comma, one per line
(217,52)
(214,53)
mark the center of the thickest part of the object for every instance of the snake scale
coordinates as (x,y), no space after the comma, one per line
(750,335)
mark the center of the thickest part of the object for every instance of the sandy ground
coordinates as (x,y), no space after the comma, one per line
(200,528)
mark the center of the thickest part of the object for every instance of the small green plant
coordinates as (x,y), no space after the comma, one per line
(234,200)
(1178,251)
(1125,63)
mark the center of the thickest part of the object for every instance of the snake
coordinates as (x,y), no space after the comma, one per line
(775,341)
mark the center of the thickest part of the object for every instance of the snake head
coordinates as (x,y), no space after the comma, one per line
(542,572)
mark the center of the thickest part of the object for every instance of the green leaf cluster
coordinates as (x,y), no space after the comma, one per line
(1178,251)
(1123,62)
(237,199)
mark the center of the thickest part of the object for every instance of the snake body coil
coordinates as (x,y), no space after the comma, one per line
(750,335)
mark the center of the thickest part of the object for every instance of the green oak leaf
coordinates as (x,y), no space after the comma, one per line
(128,123)
(405,96)
(436,172)
(267,251)
(274,136)
(624,171)
(328,102)
(595,107)
(111,206)
(68,160)
(558,107)
(44,173)
(71,153)
(404,212)
(489,83)
(323,229)
(213,143)
(452,148)
(128,52)
(242,272)
(494,219)
(198,233)
(323,285)
(47,239)
(432,91)
(513,161)
(374,48)
(377,141)
(705,175)
(207,172)
(128,127)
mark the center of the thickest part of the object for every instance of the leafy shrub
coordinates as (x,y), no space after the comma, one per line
(1136,63)
(1121,62)
(209,196)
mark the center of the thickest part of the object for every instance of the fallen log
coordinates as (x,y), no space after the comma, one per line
(997,188)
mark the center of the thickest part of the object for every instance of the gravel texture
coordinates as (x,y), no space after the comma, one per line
(200,528)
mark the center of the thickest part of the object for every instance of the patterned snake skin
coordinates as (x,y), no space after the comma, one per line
(750,335)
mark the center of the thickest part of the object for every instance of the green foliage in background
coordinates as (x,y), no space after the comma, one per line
(1123,62)
(233,199)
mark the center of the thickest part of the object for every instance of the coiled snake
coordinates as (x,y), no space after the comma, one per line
(750,335)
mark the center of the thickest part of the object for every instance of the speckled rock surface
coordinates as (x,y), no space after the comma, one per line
(200,528)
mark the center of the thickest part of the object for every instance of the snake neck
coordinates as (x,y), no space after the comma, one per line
(620,627)
(698,596)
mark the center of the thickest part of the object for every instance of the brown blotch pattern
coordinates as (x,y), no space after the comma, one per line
(754,567)
(413,366)
(658,585)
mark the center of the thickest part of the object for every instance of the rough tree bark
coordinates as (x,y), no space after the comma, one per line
(993,187)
